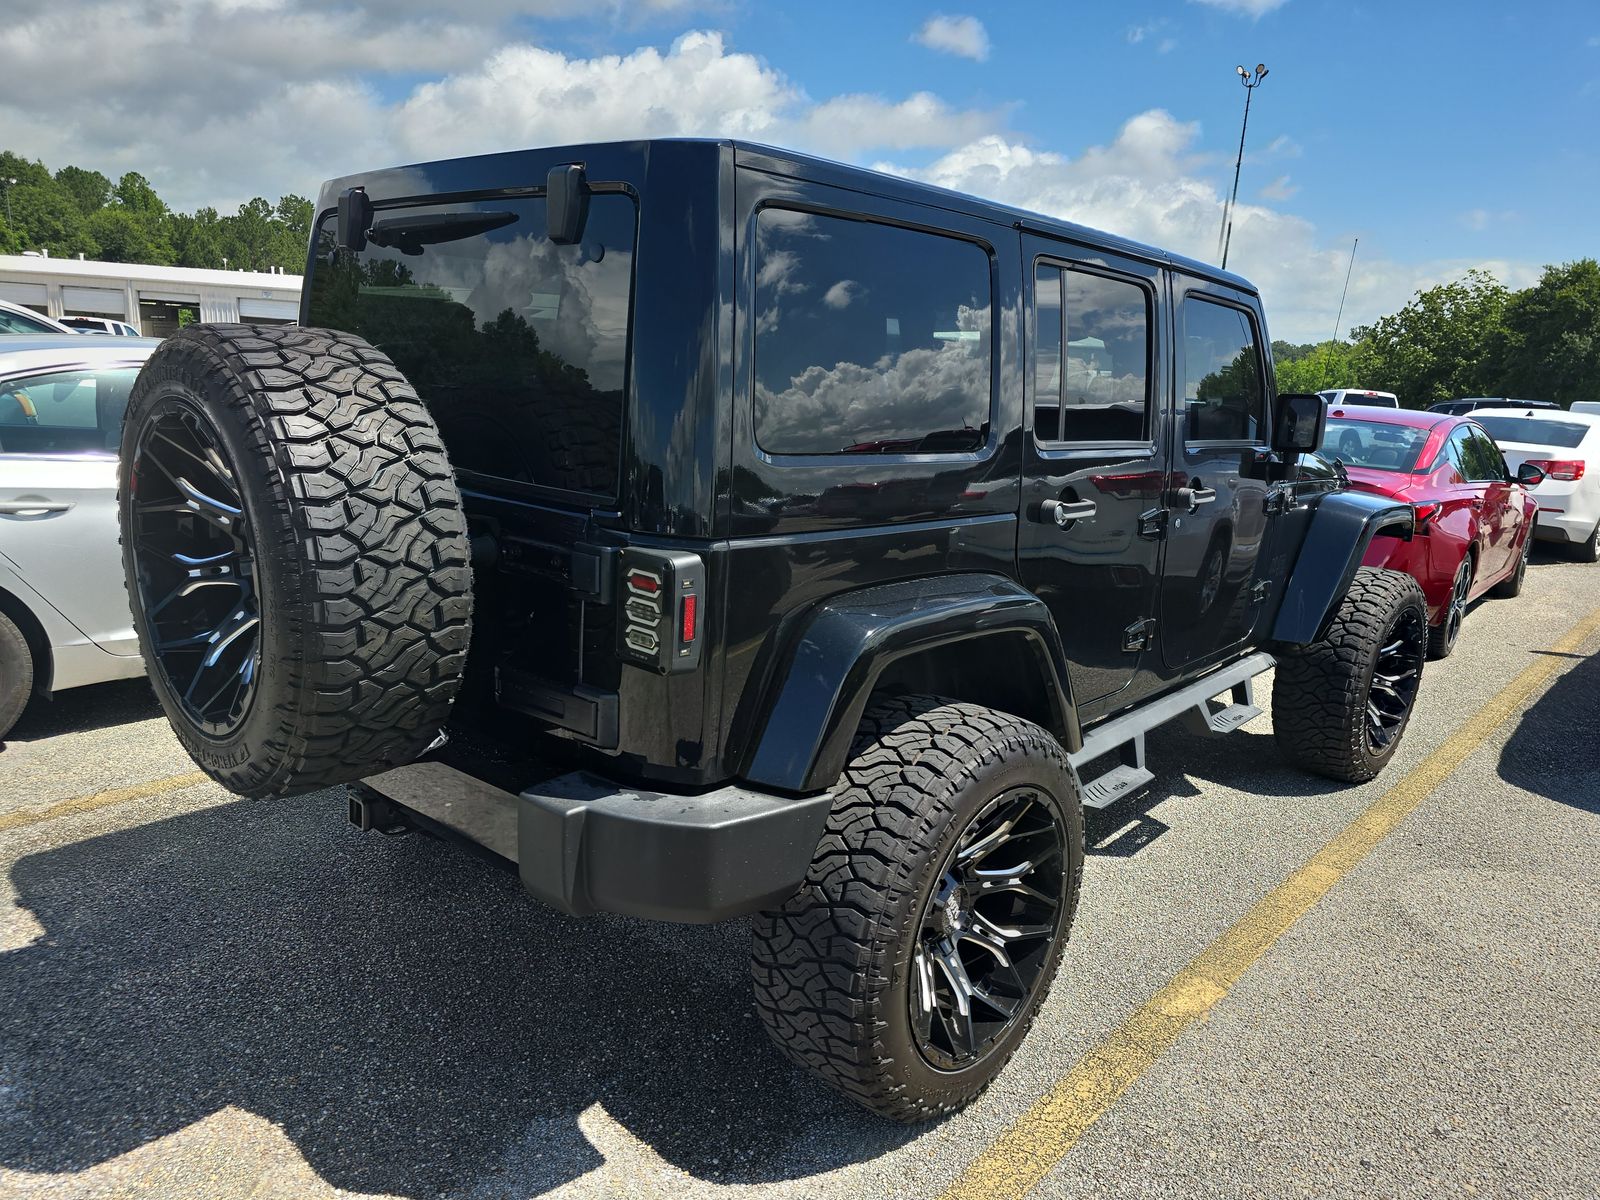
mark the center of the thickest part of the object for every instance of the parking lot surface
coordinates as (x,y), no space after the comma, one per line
(207,997)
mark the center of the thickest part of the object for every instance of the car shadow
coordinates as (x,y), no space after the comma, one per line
(403,1011)
(97,706)
(1566,716)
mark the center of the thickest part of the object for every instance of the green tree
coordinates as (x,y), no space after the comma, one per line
(125,236)
(89,189)
(248,236)
(1548,347)
(197,240)
(1437,346)
(1319,366)
(45,218)
(134,193)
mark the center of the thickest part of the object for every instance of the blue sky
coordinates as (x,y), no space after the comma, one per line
(1445,135)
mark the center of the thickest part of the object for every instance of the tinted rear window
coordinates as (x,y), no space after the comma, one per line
(869,339)
(517,345)
(1538,431)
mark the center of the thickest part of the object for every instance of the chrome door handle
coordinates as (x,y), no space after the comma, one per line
(31,508)
(1062,513)
(1191,498)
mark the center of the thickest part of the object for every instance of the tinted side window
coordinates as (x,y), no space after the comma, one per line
(869,339)
(1223,397)
(64,410)
(1099,390)
(1484,461)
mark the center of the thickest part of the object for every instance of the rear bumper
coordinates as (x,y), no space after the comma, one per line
(584,844)
(1564,526)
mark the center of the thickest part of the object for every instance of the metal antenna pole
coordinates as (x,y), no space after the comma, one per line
(1225,235)
(1346,291)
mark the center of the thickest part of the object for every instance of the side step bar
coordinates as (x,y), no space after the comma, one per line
(1201,713)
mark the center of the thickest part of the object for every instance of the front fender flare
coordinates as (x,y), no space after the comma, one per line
(819,693)
(1342,527)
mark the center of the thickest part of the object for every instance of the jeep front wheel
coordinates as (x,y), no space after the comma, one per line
(911,963)
(1341,704)
(296,555)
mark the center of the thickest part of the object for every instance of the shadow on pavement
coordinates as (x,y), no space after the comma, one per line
(1555,749)
(85,708)
(412,1020)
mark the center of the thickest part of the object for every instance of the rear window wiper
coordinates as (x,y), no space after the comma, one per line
(410,234)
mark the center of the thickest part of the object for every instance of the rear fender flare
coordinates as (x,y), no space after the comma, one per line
(818,695)
(1342,527)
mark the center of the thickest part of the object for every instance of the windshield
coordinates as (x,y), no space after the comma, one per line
(518,346)
(1373,444)
(1540,431)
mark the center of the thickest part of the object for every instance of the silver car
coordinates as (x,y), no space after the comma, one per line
(64,618)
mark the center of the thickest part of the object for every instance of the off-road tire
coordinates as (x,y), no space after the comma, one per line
(1511,586)
(1320,691)
(361,553)
(16,674)
(831,968)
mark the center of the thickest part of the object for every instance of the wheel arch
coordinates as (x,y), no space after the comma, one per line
(1341,528)
(14,607)
(953,635)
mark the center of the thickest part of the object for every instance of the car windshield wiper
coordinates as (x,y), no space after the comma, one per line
(410,234)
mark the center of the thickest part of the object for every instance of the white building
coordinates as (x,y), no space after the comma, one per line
(153,299)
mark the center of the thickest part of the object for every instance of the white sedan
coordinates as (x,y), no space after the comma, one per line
(64,617)
(1566,447)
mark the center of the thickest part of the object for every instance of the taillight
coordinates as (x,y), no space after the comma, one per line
(1425,513)
(1565,469)
(660,601)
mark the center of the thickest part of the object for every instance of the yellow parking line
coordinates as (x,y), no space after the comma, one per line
(1043,1135)
(22,818)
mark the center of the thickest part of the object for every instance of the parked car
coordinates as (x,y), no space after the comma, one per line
(14,318)
(1338,397)
(64,618)
(1473,403)
(100,325)
(1566,447)
(1473,515)
(871,723)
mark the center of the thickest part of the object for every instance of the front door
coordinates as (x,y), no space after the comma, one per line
(1094,464)
(1217,495)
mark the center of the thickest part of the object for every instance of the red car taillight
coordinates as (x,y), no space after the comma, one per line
(1565,469)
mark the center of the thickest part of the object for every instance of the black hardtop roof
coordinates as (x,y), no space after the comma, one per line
(834,174)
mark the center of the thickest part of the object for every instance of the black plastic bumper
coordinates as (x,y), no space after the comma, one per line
(585,844)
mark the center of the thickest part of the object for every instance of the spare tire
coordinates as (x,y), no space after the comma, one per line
(296,555)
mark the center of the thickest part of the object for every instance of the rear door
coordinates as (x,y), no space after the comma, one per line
(1094,463)
(1499,520)
(58,495)
(1217,496)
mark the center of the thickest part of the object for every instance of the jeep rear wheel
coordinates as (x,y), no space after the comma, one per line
(1341,704)
(296,555)
(911,963)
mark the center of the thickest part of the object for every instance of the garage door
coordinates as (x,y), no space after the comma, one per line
(268,310)
(31,295)
(105,302)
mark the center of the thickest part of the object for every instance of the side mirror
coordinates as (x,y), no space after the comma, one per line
(1298,422)
(566,204)
(1529,475)
(354,219)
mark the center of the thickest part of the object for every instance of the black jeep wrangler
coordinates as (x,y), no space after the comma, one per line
(705,530)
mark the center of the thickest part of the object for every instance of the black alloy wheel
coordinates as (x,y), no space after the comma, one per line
(194,557)
(1442,639)
(1395,677)
(987,929)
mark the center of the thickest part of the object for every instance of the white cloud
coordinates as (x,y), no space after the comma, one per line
(1139,33)
(841,293)
(962,36)
(1146,185)
(1167,46)
(1247,8)
(1280,189)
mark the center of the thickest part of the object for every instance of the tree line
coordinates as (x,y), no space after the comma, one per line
(1473,337)
(76,211)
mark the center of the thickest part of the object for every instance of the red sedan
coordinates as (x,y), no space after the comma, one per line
(1473,515)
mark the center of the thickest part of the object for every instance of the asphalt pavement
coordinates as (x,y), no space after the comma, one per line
(207,997)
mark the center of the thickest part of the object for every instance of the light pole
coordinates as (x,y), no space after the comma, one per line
(1251,83)
(10,183)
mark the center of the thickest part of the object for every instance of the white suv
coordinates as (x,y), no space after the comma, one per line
(1337,396)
